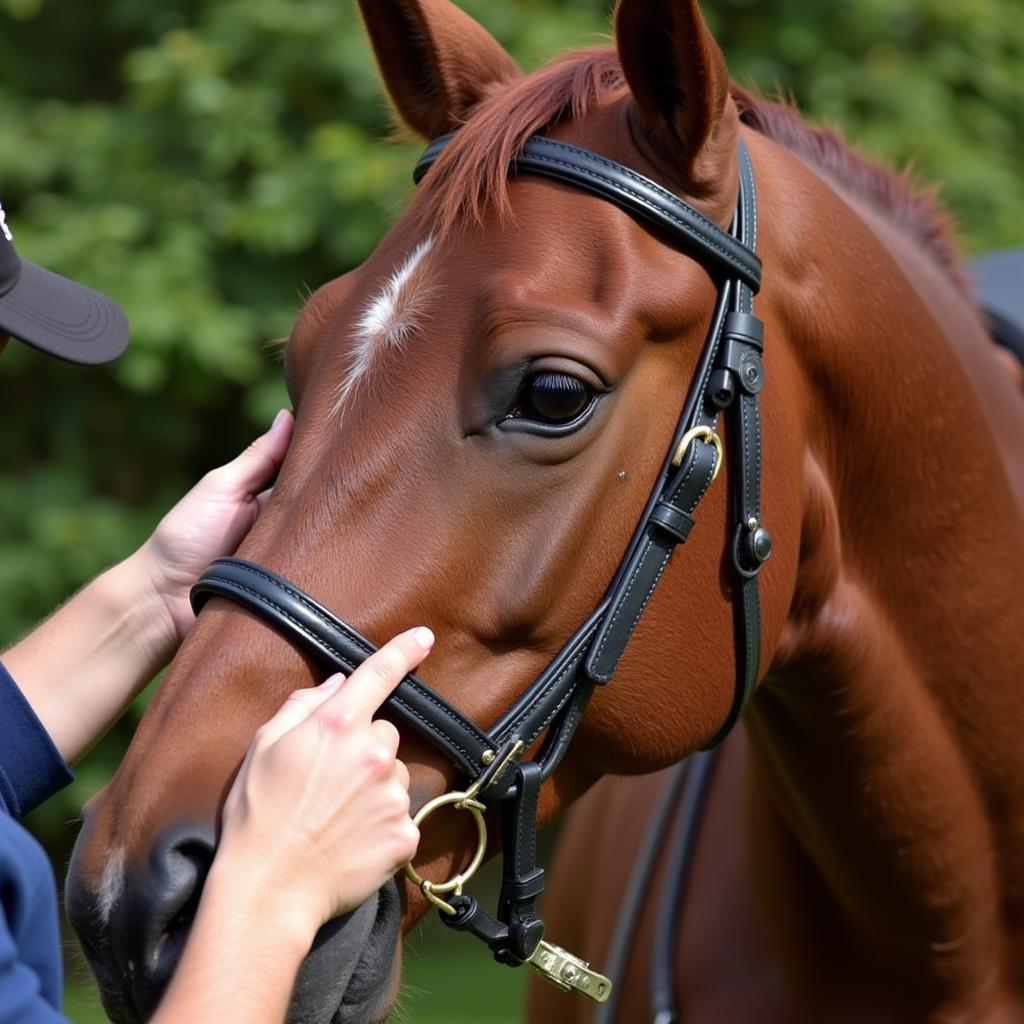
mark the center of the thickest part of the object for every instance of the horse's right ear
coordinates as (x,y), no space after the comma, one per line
(680,87)
(436,61)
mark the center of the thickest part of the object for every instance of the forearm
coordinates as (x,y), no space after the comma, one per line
(81,667)
(241,959)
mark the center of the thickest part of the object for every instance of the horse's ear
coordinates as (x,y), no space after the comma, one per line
(680,87)
(437,62)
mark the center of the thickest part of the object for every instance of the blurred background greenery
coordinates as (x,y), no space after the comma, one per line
(209,162)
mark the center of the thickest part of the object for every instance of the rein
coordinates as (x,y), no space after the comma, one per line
(729,377)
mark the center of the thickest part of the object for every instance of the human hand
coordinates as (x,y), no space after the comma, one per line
(319,810)
(211,521)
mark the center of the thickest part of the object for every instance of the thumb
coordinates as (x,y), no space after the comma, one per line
(251,471)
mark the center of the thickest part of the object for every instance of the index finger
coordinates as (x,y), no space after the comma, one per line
(372,682)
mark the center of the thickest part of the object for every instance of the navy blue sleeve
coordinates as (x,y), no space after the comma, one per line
(31,769)
(21,1001)
(30,953)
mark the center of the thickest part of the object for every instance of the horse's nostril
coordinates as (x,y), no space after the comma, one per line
(159,909)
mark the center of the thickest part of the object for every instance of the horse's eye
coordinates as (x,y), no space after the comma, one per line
(552,397)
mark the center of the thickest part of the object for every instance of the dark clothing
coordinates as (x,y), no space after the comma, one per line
(31,769)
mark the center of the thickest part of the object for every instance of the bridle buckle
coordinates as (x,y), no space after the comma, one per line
(708,436)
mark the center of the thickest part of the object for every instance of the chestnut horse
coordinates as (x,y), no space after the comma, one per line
(481,410)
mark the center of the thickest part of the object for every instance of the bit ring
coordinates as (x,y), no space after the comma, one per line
(461,801)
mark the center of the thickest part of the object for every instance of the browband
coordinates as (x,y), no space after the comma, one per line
(631,192)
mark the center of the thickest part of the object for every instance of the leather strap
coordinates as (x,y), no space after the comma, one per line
(338,646)
(669,524)
(641,878)
(632,192)
(678,867)
(514,934)
(522,881)
(736,386)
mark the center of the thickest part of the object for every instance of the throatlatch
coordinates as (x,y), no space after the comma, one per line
(729,376)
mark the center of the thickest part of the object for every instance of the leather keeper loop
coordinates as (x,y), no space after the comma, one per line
(746,328)
(672,520)
(527,887)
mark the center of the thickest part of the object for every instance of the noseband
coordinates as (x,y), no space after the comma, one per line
(729,376)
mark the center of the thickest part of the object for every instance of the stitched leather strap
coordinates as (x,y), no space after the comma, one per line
(668,525)
(296,615)
(632,192)
(741,368)
(522,881)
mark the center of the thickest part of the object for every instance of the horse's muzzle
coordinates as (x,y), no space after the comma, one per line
(133,925)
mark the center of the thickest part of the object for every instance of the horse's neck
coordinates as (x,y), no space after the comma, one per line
(888,734)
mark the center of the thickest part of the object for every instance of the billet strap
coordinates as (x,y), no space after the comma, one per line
(614,182)
(299,617)
(736,386)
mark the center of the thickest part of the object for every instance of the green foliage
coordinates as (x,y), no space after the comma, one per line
(208,162)
(931,83)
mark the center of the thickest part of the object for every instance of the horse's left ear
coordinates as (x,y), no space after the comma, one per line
(680,87)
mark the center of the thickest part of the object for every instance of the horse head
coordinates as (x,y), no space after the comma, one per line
(482,408)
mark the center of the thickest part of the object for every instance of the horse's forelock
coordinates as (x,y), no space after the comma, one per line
(472,173)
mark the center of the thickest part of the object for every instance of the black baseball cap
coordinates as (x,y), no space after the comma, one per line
(54,314)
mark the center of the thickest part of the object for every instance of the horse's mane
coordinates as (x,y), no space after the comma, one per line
(901,198)
(474,168)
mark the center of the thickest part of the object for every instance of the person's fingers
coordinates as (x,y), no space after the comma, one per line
(250,472)
(402,774)
(387,734)
(371,683)
(297,708)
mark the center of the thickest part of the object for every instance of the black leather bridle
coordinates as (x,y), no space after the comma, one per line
(729,376)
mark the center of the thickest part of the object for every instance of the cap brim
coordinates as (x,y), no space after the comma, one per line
(63,318)
(999,283)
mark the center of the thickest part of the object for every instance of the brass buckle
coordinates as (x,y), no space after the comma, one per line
(551,962)
(708,436)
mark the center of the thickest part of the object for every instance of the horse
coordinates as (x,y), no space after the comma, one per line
(488,407)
